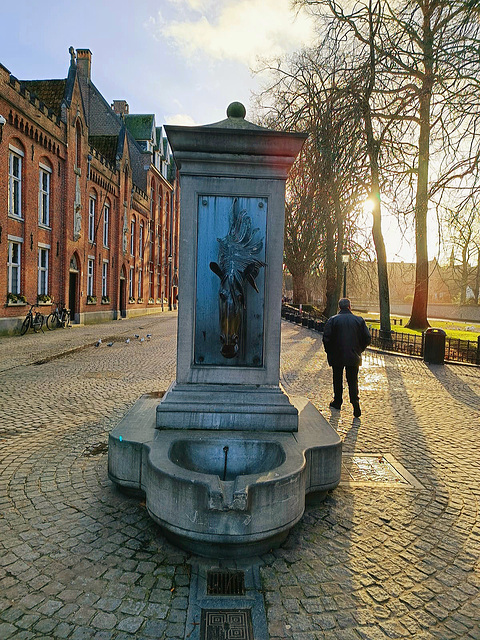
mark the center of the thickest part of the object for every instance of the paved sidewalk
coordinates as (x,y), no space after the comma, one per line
(33,347)
(376,560)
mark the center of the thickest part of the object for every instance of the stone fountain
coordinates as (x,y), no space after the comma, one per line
(227,457)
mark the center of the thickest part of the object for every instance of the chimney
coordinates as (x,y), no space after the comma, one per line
(121,107)
(84,63)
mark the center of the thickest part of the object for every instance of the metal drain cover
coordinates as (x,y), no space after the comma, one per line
(375,469)
(225,583)
(228,624)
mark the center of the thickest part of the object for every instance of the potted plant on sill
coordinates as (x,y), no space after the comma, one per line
(151,301)
(131,300)
(91,299)
(105,300)
(16,299)
(139,299)
(44,298)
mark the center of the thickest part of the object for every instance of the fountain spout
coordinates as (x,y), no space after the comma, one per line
(225,451)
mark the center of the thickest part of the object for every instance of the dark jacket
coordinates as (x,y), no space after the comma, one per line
(345,337)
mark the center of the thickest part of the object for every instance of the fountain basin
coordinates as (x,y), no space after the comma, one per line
(262,497)
(227,460)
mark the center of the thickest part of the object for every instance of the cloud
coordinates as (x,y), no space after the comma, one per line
(238,30)
(181,119)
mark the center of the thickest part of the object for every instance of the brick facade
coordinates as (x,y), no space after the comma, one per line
(78,194)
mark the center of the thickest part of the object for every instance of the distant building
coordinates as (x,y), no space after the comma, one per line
(88,204)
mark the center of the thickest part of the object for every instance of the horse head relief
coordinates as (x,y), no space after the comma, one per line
(237,266)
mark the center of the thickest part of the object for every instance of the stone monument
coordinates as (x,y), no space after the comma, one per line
(228,458)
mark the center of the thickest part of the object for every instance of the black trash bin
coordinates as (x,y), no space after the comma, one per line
(434,346)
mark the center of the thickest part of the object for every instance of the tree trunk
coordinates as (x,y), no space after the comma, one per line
(464,283)
(477,278)
(383,289)
(331,292)
(418,319)
(299,288)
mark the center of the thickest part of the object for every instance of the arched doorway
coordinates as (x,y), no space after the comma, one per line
(123,293)
(73,289)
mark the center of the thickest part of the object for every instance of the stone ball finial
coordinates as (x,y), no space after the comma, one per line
(236,110)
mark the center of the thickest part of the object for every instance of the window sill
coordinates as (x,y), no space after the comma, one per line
(17,218)
(44,304)
(44,226)
(91,302)
(139,299)
(16,304)
(102,302)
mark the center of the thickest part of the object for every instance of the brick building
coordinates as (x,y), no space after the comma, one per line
(88,208)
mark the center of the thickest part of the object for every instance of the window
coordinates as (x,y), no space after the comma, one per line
(130,283)
(104,278)
(91,218)
(78,144)
(43,271)
(106,222)
(140,283)
(90,272)
(151,292)
(159,285)
(44,196)
(15,183)
(151,230)
(140,242)
(132,237)
(14,256)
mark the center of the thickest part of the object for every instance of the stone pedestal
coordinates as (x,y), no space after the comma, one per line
(228,169)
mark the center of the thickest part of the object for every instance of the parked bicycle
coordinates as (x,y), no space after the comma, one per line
(58,318)
(34,320)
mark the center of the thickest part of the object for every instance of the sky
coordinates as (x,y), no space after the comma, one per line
(183,60)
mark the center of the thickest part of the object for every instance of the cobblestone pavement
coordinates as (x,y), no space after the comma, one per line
(78,559)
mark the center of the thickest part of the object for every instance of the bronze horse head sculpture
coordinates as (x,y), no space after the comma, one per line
(237,266)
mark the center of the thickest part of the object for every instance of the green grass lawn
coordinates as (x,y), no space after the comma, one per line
(453,328)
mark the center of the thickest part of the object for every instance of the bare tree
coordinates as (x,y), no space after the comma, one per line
(328,182)
(427,59)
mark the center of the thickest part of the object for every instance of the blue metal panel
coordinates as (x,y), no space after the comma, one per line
(215,215)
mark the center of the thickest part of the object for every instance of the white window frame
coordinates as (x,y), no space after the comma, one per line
(14,266)
(91,217)
(15,182)
(130,282)
(44,196)
(139,284)
(43,249)
(105,278)
(106,224)
(140,242)
(90,275)
(132,237)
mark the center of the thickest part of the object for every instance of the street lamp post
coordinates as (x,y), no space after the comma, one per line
(345,259)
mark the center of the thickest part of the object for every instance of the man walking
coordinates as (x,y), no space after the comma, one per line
(345,337)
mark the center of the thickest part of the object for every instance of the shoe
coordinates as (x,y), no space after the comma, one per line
(357,412)
(336,406)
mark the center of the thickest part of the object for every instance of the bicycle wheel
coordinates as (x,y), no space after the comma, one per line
(25,326)
(52,321)
(38,322)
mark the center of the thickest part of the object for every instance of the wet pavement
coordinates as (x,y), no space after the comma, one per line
(391,553)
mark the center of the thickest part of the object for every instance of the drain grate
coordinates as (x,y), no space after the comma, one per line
(375,469)
(228,624)
(225,583)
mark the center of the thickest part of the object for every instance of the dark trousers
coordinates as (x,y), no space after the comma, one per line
(352,380)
